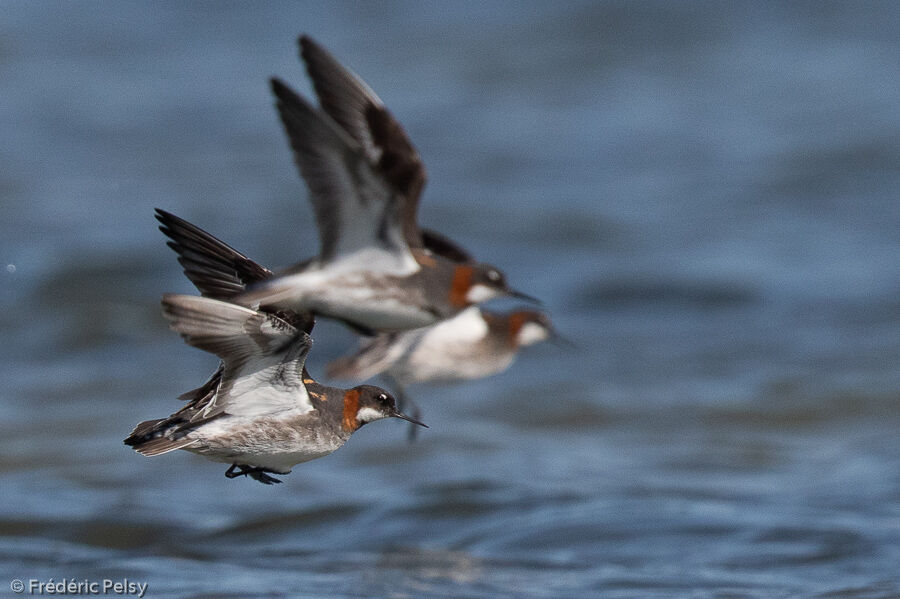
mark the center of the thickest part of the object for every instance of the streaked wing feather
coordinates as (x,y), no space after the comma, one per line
(263,355)
(232,332)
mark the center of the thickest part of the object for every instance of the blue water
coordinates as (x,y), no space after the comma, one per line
(704,194)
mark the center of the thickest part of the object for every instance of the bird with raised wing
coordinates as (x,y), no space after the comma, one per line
(376,270)
(260,411)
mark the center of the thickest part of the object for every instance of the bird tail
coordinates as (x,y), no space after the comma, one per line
(150,437)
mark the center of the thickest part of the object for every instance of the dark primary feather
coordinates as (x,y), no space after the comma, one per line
(218,270)
(342,95)
(347,99)
(352,203)
(401,166)
(215,268)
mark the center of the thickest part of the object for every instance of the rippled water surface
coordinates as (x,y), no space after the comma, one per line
(704,195)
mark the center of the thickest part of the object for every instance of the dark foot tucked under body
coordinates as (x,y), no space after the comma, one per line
(260,474)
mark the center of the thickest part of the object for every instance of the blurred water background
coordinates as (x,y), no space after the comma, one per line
(704,194)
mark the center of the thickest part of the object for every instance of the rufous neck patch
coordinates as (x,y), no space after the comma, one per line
(459,289)
(351,407)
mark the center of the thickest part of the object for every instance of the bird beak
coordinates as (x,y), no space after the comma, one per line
(403,416)
(562,342)
(524,296)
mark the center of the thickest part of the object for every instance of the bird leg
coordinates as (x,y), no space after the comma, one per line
(255,473)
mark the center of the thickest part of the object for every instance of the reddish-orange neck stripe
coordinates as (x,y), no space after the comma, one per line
(351,407)
(459,289)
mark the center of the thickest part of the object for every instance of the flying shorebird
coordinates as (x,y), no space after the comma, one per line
(376,269)
(260,411)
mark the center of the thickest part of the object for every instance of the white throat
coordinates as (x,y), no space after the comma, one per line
(368,414)
(479,293)
(531,333)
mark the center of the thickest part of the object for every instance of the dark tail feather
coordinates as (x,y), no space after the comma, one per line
(143,431)
(148,438)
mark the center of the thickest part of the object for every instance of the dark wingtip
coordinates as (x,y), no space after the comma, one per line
(286,96)
(167,219)
(162,215)
(308,46)
(278,86)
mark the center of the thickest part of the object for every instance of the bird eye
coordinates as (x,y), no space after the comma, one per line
(493,275)
(382,397)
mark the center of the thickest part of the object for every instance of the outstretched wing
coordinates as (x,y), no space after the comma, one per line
(355,207)
(215,268)
(263,355)
(346,98)
(372,357)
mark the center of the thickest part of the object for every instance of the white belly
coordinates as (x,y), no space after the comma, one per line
(349,296)
(263,442)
